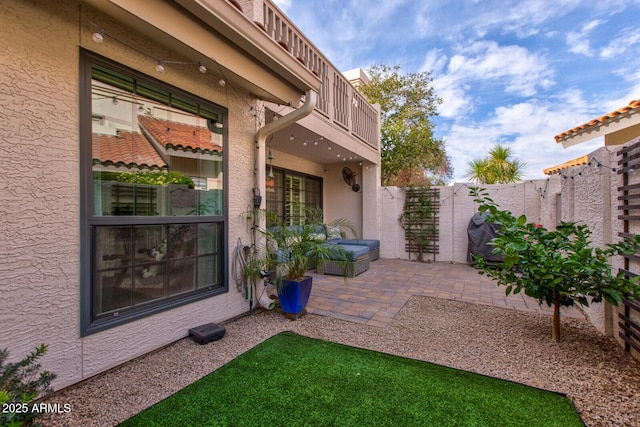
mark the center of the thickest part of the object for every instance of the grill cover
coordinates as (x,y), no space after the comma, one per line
(480,234)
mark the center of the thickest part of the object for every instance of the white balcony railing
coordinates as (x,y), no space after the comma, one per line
(338,100)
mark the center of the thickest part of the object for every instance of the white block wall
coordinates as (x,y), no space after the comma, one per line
(456,209)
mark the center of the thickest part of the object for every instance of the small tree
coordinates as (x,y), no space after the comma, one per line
(559,268)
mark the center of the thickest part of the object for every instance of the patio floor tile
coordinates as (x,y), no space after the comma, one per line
(376,296)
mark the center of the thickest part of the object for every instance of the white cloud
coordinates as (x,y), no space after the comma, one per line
(578,42)
(626,40)
(456,100)
(529,128)
(591,25)
(511,69)
(519,70)
(447,87)
(434,61)
(523,18)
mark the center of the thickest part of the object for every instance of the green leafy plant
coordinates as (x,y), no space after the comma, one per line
(150,178)
(499,167)
(559,268)
(419,220)
(20,386)
(291,250)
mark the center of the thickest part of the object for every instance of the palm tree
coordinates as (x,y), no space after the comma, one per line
(479,171)
(499,167)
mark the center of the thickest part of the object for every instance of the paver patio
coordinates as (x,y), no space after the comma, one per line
(377,295)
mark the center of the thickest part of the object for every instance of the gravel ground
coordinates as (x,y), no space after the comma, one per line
(593,370)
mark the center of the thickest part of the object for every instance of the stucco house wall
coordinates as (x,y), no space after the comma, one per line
(40,190)
(390,231)
(339,200)
(550,202)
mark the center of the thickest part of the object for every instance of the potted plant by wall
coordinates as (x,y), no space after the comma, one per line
(288,252)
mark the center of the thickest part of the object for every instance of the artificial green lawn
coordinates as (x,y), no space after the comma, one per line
(294,380)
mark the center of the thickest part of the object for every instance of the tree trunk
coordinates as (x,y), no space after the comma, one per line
(555,328)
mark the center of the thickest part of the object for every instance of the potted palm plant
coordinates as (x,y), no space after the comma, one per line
(288,252)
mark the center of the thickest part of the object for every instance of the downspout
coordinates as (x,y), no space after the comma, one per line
(273,127)
(284,121)
(260,163)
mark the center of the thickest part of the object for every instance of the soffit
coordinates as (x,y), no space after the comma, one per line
(316,140)
(233,25)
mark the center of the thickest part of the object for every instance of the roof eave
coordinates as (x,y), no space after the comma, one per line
(603,126)
(602,129)
(580,161)
(232,24)
(218,31)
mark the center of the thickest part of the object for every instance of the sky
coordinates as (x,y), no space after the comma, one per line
(509,72)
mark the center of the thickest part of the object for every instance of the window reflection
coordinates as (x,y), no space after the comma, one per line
(150,159)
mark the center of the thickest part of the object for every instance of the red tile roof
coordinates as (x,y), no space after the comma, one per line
(131,149)
(179,136)
(580,161)
(633,107)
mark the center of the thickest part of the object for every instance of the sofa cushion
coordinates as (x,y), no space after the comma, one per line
(354,250)
(370,243)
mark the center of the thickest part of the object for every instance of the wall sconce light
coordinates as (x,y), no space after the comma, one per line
(98,37)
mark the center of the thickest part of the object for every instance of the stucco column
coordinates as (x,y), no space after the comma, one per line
(370,180)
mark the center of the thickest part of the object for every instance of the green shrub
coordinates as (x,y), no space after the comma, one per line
(559,268)
(20,386)
(149,178)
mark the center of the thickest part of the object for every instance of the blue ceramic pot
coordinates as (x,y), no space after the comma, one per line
(294,295)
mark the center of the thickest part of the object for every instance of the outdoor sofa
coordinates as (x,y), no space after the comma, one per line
(334,235)
(359,254)
(362,251)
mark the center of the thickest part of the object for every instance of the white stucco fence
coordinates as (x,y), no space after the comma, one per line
(585,194)
(456,209)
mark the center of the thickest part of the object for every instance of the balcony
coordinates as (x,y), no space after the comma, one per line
(339,103)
